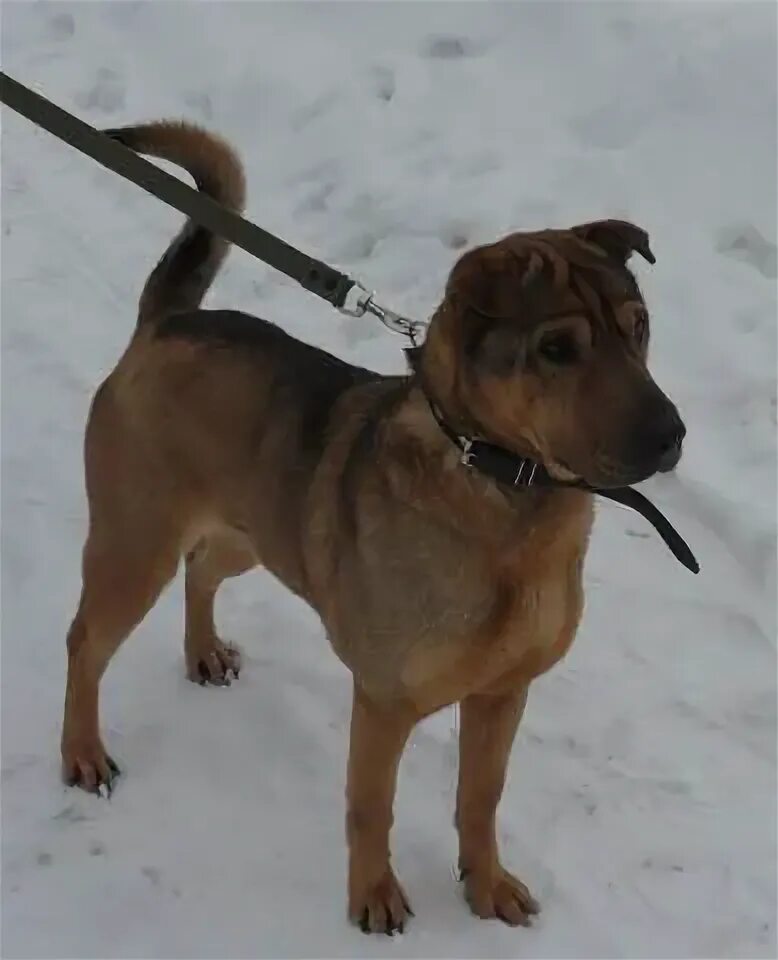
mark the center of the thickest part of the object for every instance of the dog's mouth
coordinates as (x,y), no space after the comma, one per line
(625,478)
(630,476)
(609,474)
(648,444)
(560,471)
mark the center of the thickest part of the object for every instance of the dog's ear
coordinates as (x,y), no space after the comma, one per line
(618,238)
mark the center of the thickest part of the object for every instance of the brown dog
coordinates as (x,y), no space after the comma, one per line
(220,438)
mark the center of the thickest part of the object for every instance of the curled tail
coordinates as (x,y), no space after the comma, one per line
(189,265)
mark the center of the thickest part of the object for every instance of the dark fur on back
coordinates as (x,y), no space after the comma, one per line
(305,376)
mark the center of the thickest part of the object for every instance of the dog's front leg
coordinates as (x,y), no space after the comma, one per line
(488,726)
(379,732)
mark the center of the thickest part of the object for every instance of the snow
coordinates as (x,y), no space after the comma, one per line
(641,806)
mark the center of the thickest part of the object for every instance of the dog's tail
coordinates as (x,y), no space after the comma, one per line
(189,265)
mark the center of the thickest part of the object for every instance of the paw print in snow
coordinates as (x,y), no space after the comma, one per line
(745,243)
(61,26)
(106,94)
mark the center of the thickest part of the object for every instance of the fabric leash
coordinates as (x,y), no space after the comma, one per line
(340,290)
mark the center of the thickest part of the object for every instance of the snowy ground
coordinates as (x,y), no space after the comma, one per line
(641,805)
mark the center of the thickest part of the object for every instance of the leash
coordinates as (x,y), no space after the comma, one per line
(340,290)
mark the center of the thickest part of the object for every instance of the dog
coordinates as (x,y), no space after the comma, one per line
(219,438)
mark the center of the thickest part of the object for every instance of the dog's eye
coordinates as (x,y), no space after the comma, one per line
(558,348)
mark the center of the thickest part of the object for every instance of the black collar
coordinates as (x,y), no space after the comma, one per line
(511,470)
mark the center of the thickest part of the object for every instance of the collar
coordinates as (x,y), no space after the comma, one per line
(511,470)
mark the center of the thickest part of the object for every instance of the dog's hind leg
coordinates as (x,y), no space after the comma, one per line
(214,559)
(122,578)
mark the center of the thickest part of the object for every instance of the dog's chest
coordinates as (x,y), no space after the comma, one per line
(529,626)
(537,627)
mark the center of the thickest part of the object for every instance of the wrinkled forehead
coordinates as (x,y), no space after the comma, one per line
(563,274)
(529,277)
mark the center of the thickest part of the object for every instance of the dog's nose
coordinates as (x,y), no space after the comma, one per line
(664,445)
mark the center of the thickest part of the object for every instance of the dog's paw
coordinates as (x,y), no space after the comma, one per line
(213,664)
(381,907)
(497,893)
(90,768)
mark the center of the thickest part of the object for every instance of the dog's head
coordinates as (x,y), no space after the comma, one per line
(541,344)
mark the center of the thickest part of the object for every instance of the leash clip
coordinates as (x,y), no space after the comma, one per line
(356,301)
(359,301)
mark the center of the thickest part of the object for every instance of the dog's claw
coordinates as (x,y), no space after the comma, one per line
(499,894)
(208,676)
(383,908)
(97,776)
(216,666)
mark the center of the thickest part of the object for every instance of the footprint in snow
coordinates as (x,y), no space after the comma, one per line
(611,126)
(637,533)
(62,26)
(71,814)
(152,874)
(383,83)
(745,243)
(313,111)
(448,47)
(316,199)
(106,94)
(453,237)
(573,747)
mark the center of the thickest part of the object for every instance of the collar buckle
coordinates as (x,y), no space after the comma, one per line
(525,477)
